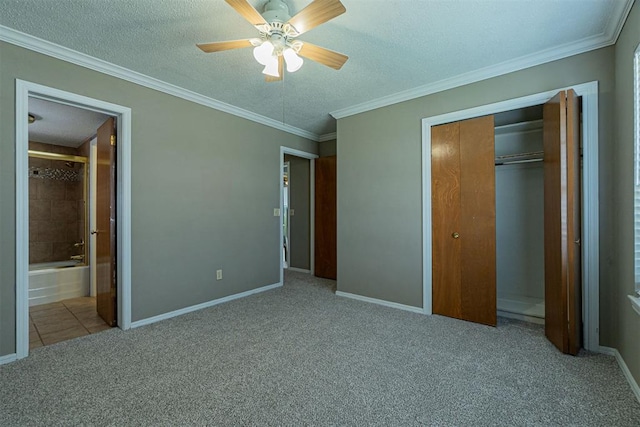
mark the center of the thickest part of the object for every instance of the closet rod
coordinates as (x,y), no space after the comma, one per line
(534,156)
(513,162)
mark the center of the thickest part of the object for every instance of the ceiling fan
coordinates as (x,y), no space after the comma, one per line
(277,44)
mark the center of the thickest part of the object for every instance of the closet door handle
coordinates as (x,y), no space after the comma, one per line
(455,235)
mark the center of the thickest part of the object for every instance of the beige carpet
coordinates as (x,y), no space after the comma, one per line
(299,355)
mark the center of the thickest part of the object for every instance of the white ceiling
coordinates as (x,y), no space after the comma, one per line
(398,49)
(61,124)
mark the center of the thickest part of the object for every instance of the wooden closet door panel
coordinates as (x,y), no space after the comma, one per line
(574,223)
(445,202)
(325,248)
(562,210)
(554,132)
(105,223)
(478,220)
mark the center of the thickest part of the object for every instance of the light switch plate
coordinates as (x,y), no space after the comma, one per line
(291,212)
(276,212)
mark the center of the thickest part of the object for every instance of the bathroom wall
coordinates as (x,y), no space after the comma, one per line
(56,205)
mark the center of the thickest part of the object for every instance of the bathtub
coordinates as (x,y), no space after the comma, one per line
(55,281)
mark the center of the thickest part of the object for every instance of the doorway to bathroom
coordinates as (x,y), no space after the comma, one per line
(72,216)
(71,222)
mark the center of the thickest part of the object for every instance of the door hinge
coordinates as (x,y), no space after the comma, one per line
(113,140)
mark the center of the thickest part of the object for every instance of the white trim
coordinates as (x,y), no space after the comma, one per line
(299,270)
(312,204)
(591,257)
(197,307)
(624,368)
(24,90)
(8,358)
(523,317)
(328,137)
(382,302)
(48,48)
(636,181)
(606,38)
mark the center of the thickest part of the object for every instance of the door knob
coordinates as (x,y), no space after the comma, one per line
(95,231)
(455,235)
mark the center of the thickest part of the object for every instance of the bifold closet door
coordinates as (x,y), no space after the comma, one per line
(464,220)
(562,222)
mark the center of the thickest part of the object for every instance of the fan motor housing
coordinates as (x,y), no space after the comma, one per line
(276,11)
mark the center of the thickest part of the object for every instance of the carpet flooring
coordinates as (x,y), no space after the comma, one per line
(299,355)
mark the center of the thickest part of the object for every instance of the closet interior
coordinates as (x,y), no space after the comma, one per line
(519,182)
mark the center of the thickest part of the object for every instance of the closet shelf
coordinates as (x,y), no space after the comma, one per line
(507,159)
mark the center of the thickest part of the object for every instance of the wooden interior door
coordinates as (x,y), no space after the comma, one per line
(105,231)
(562,222)
(325,248)
(464,220)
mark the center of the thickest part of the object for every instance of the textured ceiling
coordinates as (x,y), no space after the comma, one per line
(62,124)
(393,45)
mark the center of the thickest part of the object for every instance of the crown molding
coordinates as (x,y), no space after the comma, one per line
(54,50)
(604,39)
(327,137)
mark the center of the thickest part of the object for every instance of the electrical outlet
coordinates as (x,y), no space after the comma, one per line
(218,274)
(292,212)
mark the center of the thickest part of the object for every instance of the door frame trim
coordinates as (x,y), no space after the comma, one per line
(590,215)
(24,90)
(312,204)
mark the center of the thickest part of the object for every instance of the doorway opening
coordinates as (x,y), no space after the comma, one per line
(69,148)
(297,211)
(71,203)
(589,189)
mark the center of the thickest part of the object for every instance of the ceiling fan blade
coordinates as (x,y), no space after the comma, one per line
(270,79)
(324,56)
(220,46)
(247,11)
(316,13)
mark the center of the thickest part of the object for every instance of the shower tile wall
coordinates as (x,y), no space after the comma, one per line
(56,208)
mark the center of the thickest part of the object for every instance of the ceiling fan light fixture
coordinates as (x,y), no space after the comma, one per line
(294,62)
(264,53)
(271,68)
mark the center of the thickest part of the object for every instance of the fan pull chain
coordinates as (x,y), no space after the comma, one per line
(283,97)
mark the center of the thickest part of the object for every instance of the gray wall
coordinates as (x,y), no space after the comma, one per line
(625,334)
(328,148)
(379,180)
(204,186)
(299,201)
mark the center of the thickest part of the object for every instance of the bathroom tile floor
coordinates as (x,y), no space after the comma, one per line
(63,320)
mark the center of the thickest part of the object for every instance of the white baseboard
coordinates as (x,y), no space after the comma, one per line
(299,270)
(381,302)
(196,307)
(8,358)
(523,317)
(525,306)
(625,369)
